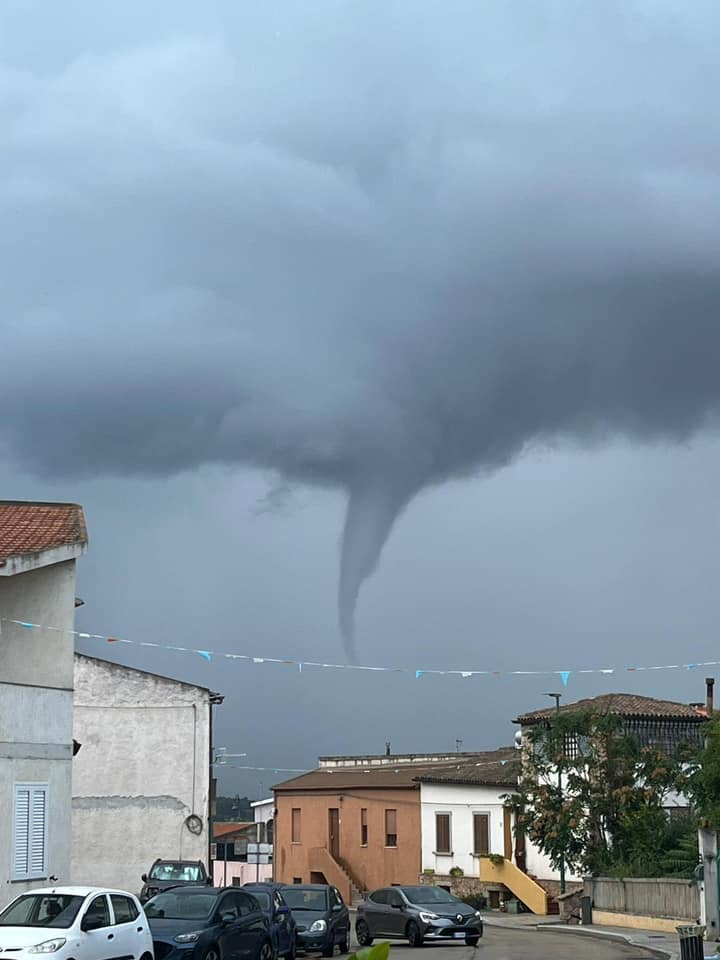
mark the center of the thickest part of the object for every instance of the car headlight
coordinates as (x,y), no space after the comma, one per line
(320,926)
(188,937)
(48,946)
(428,917)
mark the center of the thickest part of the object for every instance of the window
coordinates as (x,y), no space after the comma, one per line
(391,828)
(296,824)
(30,831)
(394,899)
(297,879)
(481,834)
(124,909)
(98,913)
(363,827)
(380,896)
(442,833)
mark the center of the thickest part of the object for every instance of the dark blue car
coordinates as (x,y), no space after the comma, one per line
(205,923)
(282,922)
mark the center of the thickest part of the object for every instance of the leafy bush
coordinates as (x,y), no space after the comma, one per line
(476,900)
(380,951)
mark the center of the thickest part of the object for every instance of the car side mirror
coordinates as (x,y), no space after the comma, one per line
(337,908)
(90,923)
(227,918)
(144,878)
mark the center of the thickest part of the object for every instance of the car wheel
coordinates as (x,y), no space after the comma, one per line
(362,932)
(212,954)
(414,934)
(345,942)
(292,952)
(472,941)
(266,952)
(329,948)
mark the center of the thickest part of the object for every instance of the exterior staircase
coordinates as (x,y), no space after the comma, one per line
(336,873)
(526,889)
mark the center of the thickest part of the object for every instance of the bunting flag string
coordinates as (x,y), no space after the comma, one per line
(302,664)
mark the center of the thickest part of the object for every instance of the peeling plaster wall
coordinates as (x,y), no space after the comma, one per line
(142,769)
(36,677)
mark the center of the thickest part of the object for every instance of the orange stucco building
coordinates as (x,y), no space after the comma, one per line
(353,822)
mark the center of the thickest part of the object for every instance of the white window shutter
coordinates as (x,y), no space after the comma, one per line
(21,864)
(30,831)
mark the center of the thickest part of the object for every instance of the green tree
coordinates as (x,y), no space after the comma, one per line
(609,809)
(703,777)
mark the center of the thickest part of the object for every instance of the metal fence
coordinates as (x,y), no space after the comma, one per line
(673,899)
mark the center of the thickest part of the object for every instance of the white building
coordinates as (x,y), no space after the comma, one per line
(39,545)
(142,780)
(463,812)
(264,813)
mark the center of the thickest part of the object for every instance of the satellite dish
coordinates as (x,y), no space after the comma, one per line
(518,739)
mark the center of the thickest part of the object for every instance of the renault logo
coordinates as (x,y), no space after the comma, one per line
(459,918)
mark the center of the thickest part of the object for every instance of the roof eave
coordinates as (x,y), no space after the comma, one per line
(25,562)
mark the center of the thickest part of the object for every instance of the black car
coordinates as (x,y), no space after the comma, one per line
(207,923)
(282,922)
(323,920)
(417,914)
(165,874)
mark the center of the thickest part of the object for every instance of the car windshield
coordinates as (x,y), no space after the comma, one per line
(180,905)
(300,898)
(42,910)
(429,894)
(262,897)
(188,872)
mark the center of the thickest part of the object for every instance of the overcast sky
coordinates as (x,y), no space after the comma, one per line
(292,288)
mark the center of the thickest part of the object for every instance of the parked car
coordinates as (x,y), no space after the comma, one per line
(208,923)
(165,874)
(417,914)
(323,920)
(77,923)
(282,923)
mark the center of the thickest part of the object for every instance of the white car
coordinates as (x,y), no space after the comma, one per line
(75,923)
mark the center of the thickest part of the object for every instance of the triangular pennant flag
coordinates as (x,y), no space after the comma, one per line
(565,674)
(28,626)
(503,762)
(418,674)
(205,654)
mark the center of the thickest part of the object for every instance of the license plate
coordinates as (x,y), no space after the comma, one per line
(459,936)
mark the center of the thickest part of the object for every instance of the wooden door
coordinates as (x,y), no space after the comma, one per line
(334,832)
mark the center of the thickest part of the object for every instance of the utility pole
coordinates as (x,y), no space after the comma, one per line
(556,698)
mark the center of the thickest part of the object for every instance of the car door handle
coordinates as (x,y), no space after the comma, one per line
(140,929)
(110,936)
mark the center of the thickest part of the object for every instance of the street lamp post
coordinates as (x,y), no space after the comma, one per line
(556,698)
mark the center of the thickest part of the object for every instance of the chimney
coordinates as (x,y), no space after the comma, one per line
(709,684)
(387,748)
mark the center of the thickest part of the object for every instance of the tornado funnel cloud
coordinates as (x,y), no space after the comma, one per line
(371,512)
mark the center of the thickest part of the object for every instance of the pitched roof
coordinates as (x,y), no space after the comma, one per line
(622,705)
(477,768)
(228,829)
(28,528)
(493,768)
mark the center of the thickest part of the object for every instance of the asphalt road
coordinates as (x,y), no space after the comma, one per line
(505,944)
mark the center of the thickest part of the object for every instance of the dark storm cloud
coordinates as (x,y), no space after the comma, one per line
(369,246)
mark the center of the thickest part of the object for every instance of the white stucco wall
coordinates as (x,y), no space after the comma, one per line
(461,802)
(143,768)
(36,679)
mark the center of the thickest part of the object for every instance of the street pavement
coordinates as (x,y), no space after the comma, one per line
(522,943)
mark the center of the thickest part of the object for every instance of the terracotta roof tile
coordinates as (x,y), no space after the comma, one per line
(468,768)
(622,705)
(27,528)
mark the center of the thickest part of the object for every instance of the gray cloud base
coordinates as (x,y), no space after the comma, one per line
(370,247)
